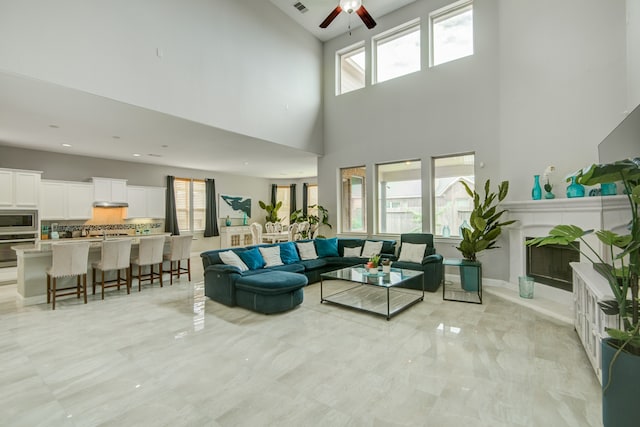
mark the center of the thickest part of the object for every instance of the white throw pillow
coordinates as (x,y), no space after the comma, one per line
(231,258)
(352,252)
(271,256)
(307,250)
(371,248)
(411,252)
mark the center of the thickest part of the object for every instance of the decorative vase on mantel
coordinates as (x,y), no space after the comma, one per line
(227,221)
(536,191)
(574,189)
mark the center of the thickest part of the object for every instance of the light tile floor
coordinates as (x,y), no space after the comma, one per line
(171,357)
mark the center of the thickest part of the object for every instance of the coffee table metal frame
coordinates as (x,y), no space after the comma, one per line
(360,277)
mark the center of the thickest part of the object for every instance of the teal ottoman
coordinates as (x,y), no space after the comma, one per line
(271,291)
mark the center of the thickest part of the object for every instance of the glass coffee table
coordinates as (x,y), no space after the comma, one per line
(374,293)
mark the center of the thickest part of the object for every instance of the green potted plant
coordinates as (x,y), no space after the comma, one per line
(315,221)
(272,211)
(621,351)
(484,232)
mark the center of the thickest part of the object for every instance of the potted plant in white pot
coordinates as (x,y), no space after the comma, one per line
(484,232)
(621,351)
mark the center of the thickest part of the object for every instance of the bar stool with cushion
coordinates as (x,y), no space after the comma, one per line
(149,254)
(68,259)
(116,255)
(180,250)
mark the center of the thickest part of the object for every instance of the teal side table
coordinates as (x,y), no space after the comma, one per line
(470,289)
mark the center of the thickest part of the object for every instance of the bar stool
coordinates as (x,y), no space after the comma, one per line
(180,250)
(68,259)
(116,255)
(149,253)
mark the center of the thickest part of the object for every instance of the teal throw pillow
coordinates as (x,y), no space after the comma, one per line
(289,253)
(253,258)
(327,247)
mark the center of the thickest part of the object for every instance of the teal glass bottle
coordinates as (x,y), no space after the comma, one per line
(536,191)
(574,189)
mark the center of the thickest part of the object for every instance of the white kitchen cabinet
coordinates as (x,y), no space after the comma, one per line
(19,188)
(155,202)
(66,200)
(109,190)
(145,202)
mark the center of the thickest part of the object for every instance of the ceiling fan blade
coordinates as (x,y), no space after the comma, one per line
(366,18)
(329,19)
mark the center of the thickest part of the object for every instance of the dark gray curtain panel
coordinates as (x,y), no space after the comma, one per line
(305,198)
(292,197)
(171,218)
(211,213)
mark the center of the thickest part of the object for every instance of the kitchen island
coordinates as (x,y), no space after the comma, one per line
(35,259)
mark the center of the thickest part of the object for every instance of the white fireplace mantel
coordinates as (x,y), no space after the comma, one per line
(536,218)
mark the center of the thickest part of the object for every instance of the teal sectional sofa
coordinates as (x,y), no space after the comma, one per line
(278,290)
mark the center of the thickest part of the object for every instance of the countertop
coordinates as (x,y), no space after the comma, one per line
(44,246)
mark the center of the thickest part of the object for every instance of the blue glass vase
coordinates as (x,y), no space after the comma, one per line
(574,189)
(536,191)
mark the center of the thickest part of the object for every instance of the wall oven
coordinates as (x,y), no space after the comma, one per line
(16,227)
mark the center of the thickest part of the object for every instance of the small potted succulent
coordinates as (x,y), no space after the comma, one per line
(372,265)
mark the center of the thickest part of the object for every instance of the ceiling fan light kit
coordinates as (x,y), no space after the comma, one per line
(350,6)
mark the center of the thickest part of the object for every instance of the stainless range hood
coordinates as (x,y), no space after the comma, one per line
(110,205)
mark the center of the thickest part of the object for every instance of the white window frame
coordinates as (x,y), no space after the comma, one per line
(352,49)
(343,228)
(190,208)
(390,35)
(378,195)
(438,233)
(444,13)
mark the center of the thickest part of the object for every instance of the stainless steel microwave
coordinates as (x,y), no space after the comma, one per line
(16,221)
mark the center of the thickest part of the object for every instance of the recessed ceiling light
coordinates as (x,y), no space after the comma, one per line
(154,155)
(54,126)
(66,145)
(115,137)
(164,146)
(246,163)
(136,155)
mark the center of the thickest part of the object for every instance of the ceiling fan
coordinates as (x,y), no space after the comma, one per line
(350,6)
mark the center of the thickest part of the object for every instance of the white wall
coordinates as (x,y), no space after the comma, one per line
(633,53)
(562,86)
(546,84)
(240,65)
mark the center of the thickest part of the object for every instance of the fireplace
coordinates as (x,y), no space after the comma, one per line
(550,265)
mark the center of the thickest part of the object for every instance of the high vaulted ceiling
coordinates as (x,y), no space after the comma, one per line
(44,116)
(317,11)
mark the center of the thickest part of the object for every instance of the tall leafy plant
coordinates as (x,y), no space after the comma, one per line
(316,221)
(272,211)
(623,251)
(485,220)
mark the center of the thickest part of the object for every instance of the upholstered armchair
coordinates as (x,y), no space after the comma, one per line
(427,260)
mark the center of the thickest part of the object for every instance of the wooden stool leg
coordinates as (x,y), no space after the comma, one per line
(128,273)
(93,280)
(160,274)
(139,272)
(171,273)
(84,283)
(189,268)
(53,296)
(179,268)
(102,284)
(118,279)
(48,289)
(78,287)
